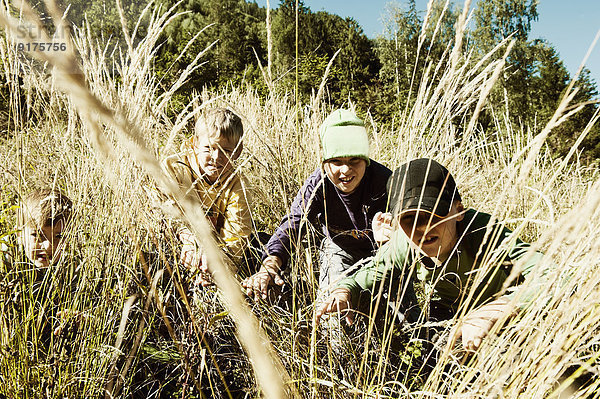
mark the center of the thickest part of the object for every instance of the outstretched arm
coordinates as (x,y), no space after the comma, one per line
(478,323)
(258,284)
(193,257)
(340,302)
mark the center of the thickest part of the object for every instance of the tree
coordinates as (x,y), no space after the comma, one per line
(549,79)
(496,20)
(238,32)
(397,51)
(355,65)
(563,137)
(321,35)
(284,34)
(406,49)
(535,78)
(103,18)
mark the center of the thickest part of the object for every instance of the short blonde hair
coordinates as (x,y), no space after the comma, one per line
(45,207)
(220,122)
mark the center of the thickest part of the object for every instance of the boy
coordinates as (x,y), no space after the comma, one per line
(204,169)
(42,218)
(343,195)
(447,246)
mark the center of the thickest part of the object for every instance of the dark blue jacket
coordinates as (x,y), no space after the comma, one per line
(345,218)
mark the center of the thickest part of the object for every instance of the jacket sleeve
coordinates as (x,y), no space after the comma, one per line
(237,225)
(507,250)
(389,271)
(530,289)
(306,205)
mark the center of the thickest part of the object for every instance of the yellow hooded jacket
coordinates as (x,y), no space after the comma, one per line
(224,201)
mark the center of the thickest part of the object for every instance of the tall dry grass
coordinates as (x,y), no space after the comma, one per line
(98,140)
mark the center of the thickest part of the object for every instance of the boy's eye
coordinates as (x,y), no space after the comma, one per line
(38,235)
(58,236)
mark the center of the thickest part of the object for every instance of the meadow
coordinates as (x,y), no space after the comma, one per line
(95,121)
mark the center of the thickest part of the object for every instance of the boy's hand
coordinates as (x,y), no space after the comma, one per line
(338,301)
(478,323)
(382,227)
(258,284)
(191,254)
(67,317)
(204,278)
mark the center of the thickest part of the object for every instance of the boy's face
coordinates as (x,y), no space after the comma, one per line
(215,155)
(42,246)
(434,235)
(345,173)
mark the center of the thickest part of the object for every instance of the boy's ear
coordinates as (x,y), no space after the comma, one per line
(460,210)
(238,151)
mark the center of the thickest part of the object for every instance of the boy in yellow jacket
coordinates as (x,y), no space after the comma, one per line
(204,169)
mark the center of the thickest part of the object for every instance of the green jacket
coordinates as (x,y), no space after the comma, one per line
(397,262)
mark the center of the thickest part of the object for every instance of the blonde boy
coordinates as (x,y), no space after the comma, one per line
(42,218)
(204,169)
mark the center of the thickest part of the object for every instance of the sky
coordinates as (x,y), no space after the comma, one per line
(569,25)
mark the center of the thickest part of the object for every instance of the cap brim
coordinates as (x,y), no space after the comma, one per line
(435,206)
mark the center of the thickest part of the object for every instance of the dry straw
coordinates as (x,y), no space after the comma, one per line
(554,203)
(268,370)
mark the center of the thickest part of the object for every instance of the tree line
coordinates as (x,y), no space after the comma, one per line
(375,74)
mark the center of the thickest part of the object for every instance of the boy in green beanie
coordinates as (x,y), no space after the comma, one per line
(343,195)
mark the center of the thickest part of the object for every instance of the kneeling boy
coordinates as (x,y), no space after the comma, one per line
(204,169)
(446,245)
(42,218)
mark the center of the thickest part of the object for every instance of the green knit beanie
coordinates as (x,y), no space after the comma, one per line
(343,134)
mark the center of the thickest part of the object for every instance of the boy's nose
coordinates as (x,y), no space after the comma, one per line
(45,244)
(217,155)
(345,168)
(421,228)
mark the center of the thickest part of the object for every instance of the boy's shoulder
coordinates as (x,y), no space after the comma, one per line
(315,179)
(235,181)
(377,176)
(475,220)
(479,228)
(474,225)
